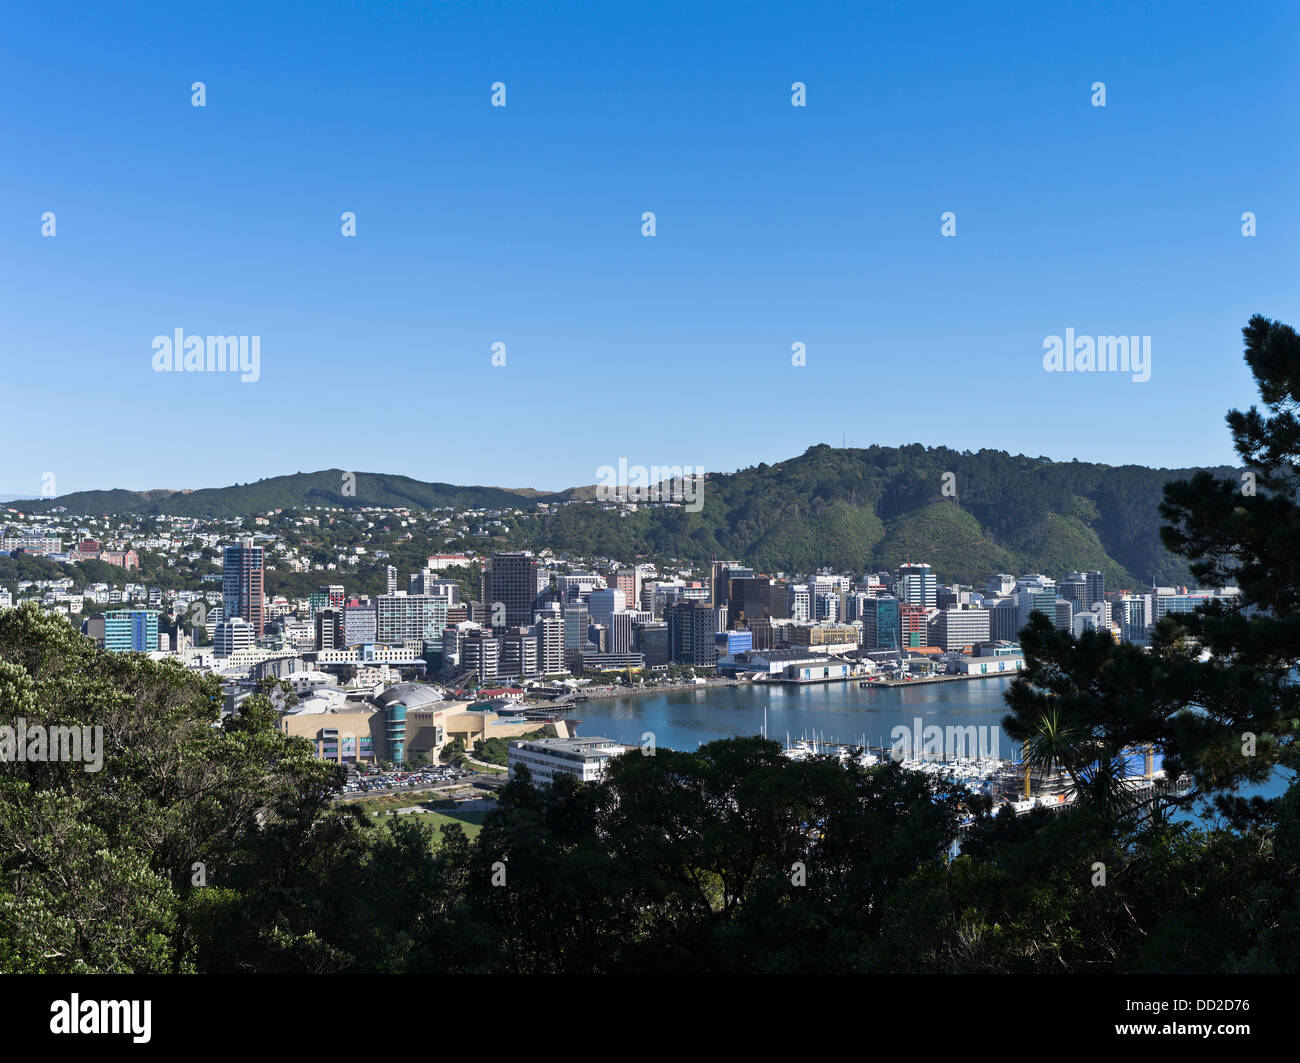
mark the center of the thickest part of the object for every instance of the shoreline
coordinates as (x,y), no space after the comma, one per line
(605,693)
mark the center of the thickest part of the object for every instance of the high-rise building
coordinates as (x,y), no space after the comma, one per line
(628,580)
(327,597)
(955,629)
(1094,588)
(798,602)
(127,630)
(511,579)
(827,607)
(650,639)
(620,631)
(391,579)
(329,629)
(690,634)
(603,604)
(1135,617)
(1004,619)
(518,653)
(410,618)
(480,651)
(880,630)
(359,623)
(917,585)
(913,629)
(718,592)
(1074,589)
(550,644)
(1035,599)
(576,621)
(1000,586)
(242,591)
(231,635)
(753,598)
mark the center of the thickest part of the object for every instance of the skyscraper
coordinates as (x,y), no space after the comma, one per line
(511,579)
(242,591)
(690,634)
(917,585)
(126,630)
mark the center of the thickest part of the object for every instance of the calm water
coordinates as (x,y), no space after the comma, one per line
(683,719)
(844,712)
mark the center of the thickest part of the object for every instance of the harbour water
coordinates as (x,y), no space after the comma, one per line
(833,712)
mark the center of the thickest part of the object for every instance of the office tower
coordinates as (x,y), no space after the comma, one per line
(391,576)
(447,589)
(1074,589)
(572,586)
(798,602)
(603,604)
(917,585)
(329,629)
(1064,613)
(956,629)
(518,654)
(326,597)
(1035,599)
(754,598)
(1004,619)
(359,623)
(550,644)
(880,624)
(511,579)
(127,630)
(628,580)
(912,625)
(836,585)
(576,621)
(1000,586)
(620,631)
(91,627)
(1094,588)
(828,607)
(718,580)
(410,618)
(1179,601)
(480,651)
(231,635)
(691,637)
(242,592)
(1135,617)
(650,639)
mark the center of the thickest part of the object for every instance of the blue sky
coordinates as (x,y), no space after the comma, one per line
(522,225)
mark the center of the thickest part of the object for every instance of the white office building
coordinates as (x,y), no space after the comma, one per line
(549,758)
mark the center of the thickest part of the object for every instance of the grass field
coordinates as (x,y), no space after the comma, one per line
(470,821)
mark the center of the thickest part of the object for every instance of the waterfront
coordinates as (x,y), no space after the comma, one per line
(844,712)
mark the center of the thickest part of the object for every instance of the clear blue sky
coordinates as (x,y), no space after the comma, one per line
(522,225)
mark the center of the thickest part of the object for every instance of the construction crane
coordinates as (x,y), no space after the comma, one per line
(461,682)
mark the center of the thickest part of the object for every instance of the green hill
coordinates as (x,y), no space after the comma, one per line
(853,509)
(295,491)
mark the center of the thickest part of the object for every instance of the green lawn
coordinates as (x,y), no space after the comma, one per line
(471,822)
